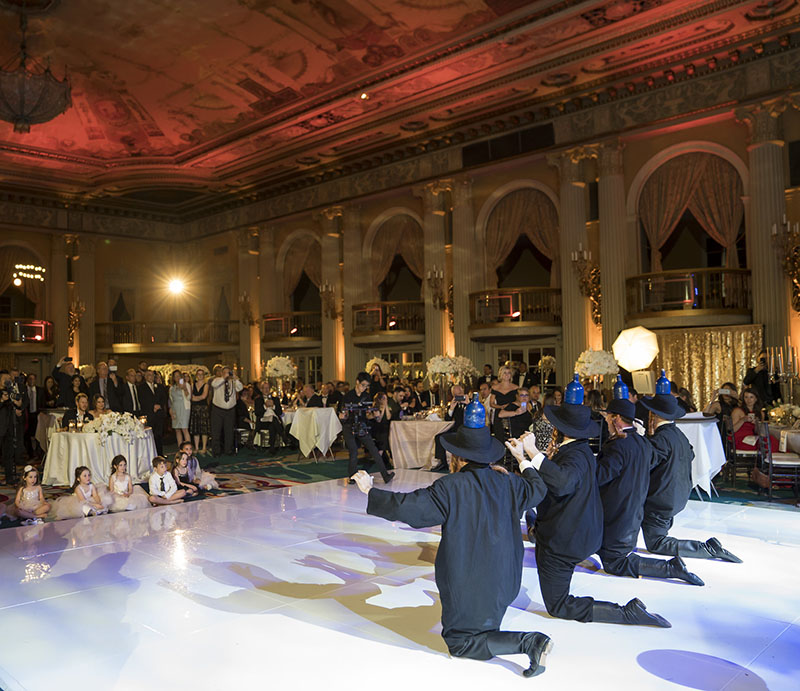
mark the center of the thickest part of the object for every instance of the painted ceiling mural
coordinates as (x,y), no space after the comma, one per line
(222,94)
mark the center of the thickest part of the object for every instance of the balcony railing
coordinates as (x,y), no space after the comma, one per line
(173,333)
(280,326)
(718,289)
(533,306)
(406,316)
(13,331)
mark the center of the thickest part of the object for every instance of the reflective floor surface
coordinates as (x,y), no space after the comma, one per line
(299,588)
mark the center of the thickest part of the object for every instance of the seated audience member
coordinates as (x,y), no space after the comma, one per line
(725,400)
(518,414)
(185,459)
(454,413)
(558,396)
(685,401)
(180,473)
(80,413)
(163,489)
(126,496)
(744,419)
(98,406)
(268,417)
(305,395)
(29,505)
(85,499)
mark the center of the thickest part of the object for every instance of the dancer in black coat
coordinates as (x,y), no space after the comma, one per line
(479,561)
(671,482)
(623,476)
(569,521)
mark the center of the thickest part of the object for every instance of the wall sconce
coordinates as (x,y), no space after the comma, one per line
(246,309)
(588,274)
(327,294)
(786,239)
(435,280)
(76,310)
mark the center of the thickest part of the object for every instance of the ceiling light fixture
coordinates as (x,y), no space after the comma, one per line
(29,92)
(364,96)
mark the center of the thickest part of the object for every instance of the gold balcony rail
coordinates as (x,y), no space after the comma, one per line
(174,332)
(401,315)
(515,306)
(718,289)
(13,331)
(279,326)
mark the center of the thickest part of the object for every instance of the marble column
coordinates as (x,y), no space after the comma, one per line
(85,291)
(433,227)
(333,355)
(613,240)
(249,300)
(58,295)
(467,269)
(575,309)
(354,288)
(770,287)
(270,290)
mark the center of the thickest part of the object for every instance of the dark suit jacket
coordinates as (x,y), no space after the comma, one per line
(72,416)
(259,405)
(315,401)
(126,400)
(523,381)
(149,399)
(112,397)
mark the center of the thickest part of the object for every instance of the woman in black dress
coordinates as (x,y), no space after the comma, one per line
(199,422)
(504,397)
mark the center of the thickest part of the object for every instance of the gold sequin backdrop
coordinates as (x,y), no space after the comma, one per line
(702,360)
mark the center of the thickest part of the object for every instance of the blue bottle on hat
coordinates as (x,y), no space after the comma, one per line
(620,389)
(475,414)
(662,384)
(573,394)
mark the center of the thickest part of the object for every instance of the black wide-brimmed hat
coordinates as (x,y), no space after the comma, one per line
(664,405)
(623,407)
(473,444)
(573,420)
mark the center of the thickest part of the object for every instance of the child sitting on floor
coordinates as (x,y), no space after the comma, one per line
(126,496)
(190,470)
(84,500)
(29,504)
(163,489)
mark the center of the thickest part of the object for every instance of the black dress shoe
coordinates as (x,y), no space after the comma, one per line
(719,552)
(537,646)
(388,478)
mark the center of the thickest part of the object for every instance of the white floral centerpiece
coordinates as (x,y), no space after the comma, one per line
(596,363)
(785,415)
(464,369)
(439,366)
(281,366)
(124,424)
(386,368)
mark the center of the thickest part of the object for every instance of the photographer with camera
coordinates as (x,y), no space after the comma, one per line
(355,411)
(723,404)
(63,373)
(757,378)
(11,426)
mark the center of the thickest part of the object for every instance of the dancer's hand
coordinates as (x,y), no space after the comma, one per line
(529,444)
(517,450)
(363,480)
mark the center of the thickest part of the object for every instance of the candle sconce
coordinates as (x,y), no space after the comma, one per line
(588,274)
(327,294)
(435,281)
(76,310)
(786,239)
(246,306)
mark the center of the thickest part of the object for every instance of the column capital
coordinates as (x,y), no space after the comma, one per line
(430,190)
(332,212)
(762,120)
(609,157)
(570,163)
(248,240)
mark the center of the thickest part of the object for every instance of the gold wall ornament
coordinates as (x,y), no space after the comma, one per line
(435,281)
(786,239)
(450,308)
(246,305)
(588,274)
(76,310)
(327,293)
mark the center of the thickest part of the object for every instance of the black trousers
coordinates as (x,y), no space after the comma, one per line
(156,423)
(275,429)
(353,442)
(655,528)
(618,564)
(555,576)
(222,424)
(30,433)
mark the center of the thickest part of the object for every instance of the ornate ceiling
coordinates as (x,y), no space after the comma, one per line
(179,105)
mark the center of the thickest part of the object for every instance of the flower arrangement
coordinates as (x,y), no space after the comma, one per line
(464,369)
(785,415)
(458,368)
(168,368)
(282,367)
(596,363)
(386,368)
(123,424)
(547,363)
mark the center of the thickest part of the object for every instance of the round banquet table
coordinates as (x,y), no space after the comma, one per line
(47,424)
(69,450)
(412,442)
(315,428)
(709,454)
(788,438)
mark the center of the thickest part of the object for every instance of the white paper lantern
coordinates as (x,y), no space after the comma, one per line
(635,348)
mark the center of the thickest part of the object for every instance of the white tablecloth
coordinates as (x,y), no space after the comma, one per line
(709,454)
(788,438)
(412,442)
(315,428)
(46,425)
(68,450)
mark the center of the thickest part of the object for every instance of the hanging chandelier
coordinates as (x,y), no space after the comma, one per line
(29,92)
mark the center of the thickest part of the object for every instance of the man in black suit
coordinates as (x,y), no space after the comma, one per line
(129,394)
(423,397)
(104,386)
(488,374)
(33,402)
(63,373)
(268,416)
(454,413)
(116,379)
(154,404)
(522,376)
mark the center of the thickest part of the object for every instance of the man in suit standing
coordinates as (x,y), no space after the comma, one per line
(488,374)
(153,398)
(63,373)
(223,416)
(115,379)
(104,386)
(129,394)
(522,377)
(33,402)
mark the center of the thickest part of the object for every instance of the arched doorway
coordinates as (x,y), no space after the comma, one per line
(21,293)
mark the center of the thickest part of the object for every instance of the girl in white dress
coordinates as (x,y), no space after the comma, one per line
(29,504)
(187,465)
(125,495)
(84,500)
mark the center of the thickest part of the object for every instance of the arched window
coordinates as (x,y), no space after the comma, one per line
(399,235)
(26,299)
(303,258)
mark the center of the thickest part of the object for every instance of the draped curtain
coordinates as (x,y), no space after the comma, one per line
(398,235)
(701,360)
(708,186)
(304,255)
(527,211)
(33,289)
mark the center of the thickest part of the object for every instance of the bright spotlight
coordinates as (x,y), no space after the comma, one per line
(18,282)
(515,315)
(293,331)
(176,286)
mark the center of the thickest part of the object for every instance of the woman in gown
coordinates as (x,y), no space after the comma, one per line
(504,396)
(180,393)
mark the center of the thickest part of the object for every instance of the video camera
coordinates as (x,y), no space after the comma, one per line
(357,413)
(12,391)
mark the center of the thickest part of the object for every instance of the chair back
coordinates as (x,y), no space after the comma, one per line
(728,441)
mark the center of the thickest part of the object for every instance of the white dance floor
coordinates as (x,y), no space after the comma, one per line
(299,589)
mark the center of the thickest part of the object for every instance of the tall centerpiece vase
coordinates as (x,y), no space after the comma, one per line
(444,393)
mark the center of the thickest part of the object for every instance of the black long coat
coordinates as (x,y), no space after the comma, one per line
(569,522)
(671,479)
(623,476)
(479,561)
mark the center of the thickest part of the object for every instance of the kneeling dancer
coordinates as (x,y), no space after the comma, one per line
(569,521)
(479,561)
(671,482)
